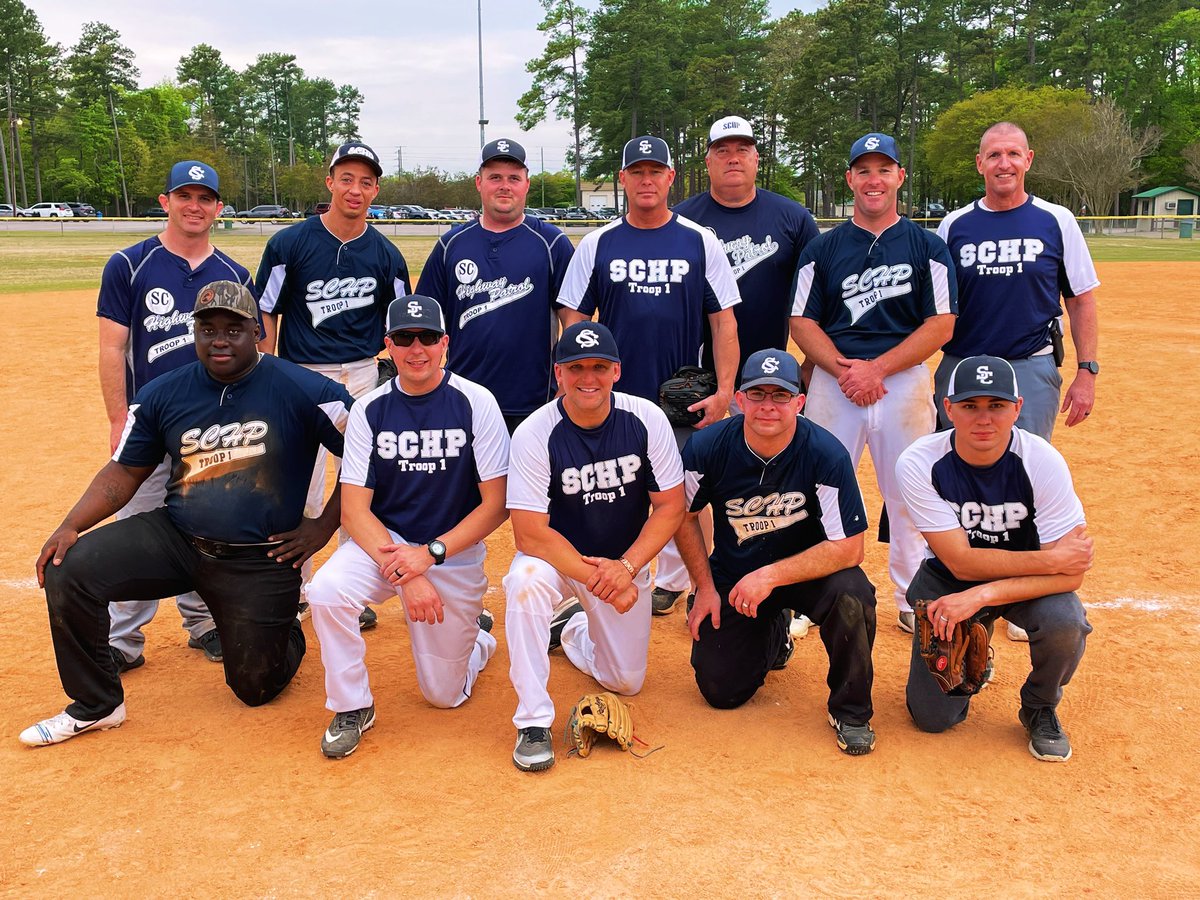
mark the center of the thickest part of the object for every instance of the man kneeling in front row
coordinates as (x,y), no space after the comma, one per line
(788,523)
(1006,538)
(241,432)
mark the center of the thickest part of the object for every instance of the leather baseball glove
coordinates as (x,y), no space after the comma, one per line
(958,667)
(598,715)
(689,385)
(386,370)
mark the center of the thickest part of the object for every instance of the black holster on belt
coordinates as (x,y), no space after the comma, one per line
(1056,341)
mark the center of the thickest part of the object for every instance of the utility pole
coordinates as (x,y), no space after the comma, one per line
(120,163)
(8,187)
(543,149)
(399,160)
(482,120)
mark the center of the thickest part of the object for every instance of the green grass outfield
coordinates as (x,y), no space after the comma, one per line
(54,261)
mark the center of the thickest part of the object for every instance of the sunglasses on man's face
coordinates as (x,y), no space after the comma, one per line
(406,338)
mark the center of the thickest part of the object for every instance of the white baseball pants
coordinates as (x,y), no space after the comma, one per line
(610,646)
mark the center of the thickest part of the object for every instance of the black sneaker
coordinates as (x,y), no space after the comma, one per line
(1047,741)
(562,615)
(367,619)
(210,643)
(486,620)
(856,740)
(785,655)
(533,752)
(124,665)
(662,601)
(342,736)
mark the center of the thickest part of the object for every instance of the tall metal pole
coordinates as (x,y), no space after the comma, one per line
(482,120)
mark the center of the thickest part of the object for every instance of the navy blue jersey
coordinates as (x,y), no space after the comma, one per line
(497,289)
(425,455)
(762,241)
(1022,501)
(333,296)
(1012,266)
(767,509)
(869,293)
(653,288)
(151,291)
(594,482)
(242,454)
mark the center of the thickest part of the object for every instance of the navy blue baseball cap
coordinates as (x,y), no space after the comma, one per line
(415,311)
(875,143)
(192,171)
(646,147)
(586,340)
(983,376)
(777,368)
(502,148)
(357,150)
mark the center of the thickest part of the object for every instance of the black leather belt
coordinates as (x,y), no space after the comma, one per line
(222,550)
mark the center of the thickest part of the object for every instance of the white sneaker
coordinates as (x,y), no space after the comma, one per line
(1017,633)
(64,726)
(800,626)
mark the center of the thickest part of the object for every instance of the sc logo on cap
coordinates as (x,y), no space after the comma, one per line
(414,307)
(770,365)
(984,374)
(645,146)
(871,143)
(197,172)
(587,339)
(502,146)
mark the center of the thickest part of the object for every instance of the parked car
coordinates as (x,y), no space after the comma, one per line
(49,211)
(316,209)
(468,215)
(576,213)
(9,212)
(607,212)
(155,212)
(265,211)
(228,211)
(375,211)
(410,211)
(536,214)
(932,211)
(83,210)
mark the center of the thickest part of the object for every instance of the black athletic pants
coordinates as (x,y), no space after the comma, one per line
(731,662)
(253,603)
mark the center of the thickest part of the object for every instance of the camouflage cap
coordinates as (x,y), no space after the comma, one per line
(227,295)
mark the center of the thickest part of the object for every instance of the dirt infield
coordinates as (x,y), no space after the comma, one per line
(199,795)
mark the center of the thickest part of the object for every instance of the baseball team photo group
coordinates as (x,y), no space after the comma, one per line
(753,537)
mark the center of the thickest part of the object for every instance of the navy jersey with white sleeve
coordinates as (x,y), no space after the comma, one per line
(152,292)
(241,453)
(497,289)
(425,455)
(595,483)
(767,509)
(868,293)
(333,296)
(1023,501)
(1012,266)
(762,241)
(653,288)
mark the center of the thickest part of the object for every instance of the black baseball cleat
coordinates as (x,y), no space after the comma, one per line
(210,643)
(367,619)
(563,613)
(1047,741)
(855,740)
(785,655)
(124,665)
(662,601)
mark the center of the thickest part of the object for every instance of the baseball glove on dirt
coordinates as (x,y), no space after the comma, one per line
(386,369)
(689,385)
(598,715)
(959,667)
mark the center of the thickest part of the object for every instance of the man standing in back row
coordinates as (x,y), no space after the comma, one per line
(496,279)
(875,298)
(654,277)
(332,277)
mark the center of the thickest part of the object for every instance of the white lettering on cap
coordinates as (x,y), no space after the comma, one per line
(770,365)
(984,374)
(645,146)
(197,172)
(414,307)
(502,146)
(360,151)
(871,143)
(587,339)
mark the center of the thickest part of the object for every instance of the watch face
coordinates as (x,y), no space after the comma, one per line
(438,550)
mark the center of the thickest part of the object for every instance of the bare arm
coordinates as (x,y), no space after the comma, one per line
(110,490)
(862,379)
(611,577)
(689,539)
(725,358)
(568,317)
(1069,555)
(114,337)
(817,561)
(533,536)
(1085,335)
(270,332)
(816,346)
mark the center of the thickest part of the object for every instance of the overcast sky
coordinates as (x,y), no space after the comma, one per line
(415,62)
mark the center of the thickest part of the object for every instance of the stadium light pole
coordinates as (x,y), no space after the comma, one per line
(479,22)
